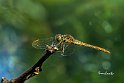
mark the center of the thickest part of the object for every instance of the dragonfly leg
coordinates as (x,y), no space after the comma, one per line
(64,46)
(53,43)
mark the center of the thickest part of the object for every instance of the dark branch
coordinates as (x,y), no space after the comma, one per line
(34,70)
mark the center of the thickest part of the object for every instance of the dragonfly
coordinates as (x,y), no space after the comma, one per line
(63,41)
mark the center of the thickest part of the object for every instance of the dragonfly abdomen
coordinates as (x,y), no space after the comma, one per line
(77,42)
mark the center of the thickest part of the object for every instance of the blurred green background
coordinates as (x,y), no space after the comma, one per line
(98,22)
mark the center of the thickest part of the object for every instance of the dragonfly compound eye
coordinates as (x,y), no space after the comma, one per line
(58,37)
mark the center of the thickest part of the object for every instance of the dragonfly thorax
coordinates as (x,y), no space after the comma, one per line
(64,38)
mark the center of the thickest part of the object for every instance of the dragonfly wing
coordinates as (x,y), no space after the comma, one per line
(41,43)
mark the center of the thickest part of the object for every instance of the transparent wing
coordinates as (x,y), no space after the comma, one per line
(41,43)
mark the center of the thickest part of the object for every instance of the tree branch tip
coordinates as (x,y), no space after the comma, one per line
(52,48)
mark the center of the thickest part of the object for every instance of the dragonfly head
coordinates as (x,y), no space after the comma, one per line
(58,37)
